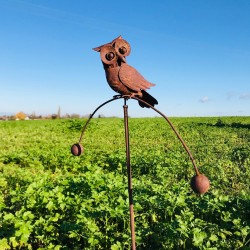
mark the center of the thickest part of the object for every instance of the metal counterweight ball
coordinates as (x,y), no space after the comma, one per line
(200,184)
(77,149)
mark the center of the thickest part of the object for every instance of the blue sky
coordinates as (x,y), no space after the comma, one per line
(196,52)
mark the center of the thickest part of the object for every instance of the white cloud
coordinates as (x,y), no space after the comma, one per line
(205,99)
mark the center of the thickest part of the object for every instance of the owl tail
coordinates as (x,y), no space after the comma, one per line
(147,98)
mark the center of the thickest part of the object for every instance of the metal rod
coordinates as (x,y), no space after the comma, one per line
(131,209)
(159,112)
(91,115)
(175,131)
(125,107)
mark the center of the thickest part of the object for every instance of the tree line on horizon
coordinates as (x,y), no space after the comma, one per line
(23,116)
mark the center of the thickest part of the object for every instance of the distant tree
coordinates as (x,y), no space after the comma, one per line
(75,116)
(86,116)
(11,117)
(66,115)
(20,116)
(32,116)
(54,116)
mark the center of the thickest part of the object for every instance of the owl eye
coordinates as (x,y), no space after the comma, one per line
(109,56)
(122,47)
(123,50)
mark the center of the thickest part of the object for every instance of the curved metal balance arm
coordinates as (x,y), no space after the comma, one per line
(159,112)
(91,115)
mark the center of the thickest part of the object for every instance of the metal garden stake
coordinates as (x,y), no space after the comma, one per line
(130,84)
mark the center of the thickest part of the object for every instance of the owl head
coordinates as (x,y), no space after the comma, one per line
(114,52)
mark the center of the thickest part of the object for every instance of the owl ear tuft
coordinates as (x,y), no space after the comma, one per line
(98,49)
(113,42)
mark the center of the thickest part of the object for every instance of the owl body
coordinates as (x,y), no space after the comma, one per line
(112,76)
(121,77)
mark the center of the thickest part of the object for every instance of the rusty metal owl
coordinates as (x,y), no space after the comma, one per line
(121,77)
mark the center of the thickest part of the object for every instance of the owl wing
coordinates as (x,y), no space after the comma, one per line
(132,79)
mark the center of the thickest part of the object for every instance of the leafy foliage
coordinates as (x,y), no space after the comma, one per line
(50,199)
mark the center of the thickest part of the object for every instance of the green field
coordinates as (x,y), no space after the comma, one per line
(50,199)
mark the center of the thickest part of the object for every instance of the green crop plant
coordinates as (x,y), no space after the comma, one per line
(50,199)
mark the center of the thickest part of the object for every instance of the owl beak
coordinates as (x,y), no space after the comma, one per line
(122,58)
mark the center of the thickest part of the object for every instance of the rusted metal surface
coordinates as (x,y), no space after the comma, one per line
(199,183)
(129,173)
(77,149)
(176,133)
(121,77)
(130,84)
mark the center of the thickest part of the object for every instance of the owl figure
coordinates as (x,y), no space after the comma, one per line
(121,77)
